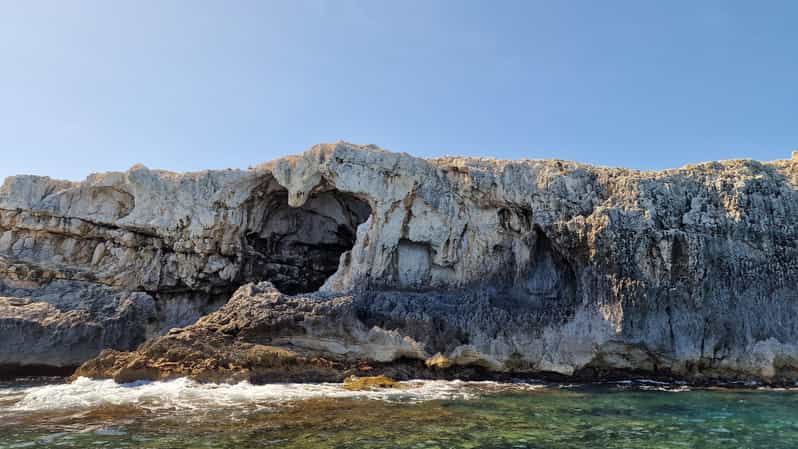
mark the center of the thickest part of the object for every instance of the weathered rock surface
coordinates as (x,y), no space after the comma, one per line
(430,266)
(64,323)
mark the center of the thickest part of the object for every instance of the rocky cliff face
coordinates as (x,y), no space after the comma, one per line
(437,266)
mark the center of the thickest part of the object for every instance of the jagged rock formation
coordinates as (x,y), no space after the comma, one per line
(441,265)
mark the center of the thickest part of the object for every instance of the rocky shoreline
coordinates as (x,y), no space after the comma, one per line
(262,336)
(349,260)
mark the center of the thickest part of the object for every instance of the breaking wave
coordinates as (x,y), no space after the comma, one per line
(187,394)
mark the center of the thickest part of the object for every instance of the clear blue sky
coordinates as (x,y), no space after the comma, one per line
(185,85)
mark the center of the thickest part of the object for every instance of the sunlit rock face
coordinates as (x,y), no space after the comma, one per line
(450,263)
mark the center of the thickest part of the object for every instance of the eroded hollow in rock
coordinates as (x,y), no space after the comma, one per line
(544,286)
(550,278)
(297,249)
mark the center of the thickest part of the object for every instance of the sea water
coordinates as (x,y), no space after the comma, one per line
(424,414)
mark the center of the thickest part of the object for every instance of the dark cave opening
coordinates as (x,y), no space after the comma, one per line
(299,248)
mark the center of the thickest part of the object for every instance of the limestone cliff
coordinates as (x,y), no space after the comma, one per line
(449,264)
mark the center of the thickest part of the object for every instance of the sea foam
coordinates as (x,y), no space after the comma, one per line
(187,394)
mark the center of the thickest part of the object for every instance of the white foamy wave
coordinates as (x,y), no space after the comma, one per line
(186,394)
(9,392)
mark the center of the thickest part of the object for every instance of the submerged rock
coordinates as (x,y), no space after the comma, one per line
(356,383)
(380,261)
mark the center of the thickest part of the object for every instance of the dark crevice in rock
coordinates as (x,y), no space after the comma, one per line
(680,258)
(8,372)
(297,249)
(178,309)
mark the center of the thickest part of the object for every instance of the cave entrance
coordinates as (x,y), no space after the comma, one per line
(298,248)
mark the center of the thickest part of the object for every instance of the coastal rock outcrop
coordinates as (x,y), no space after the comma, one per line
(385,263)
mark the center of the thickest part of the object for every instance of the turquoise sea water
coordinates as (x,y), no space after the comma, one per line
(429,414)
